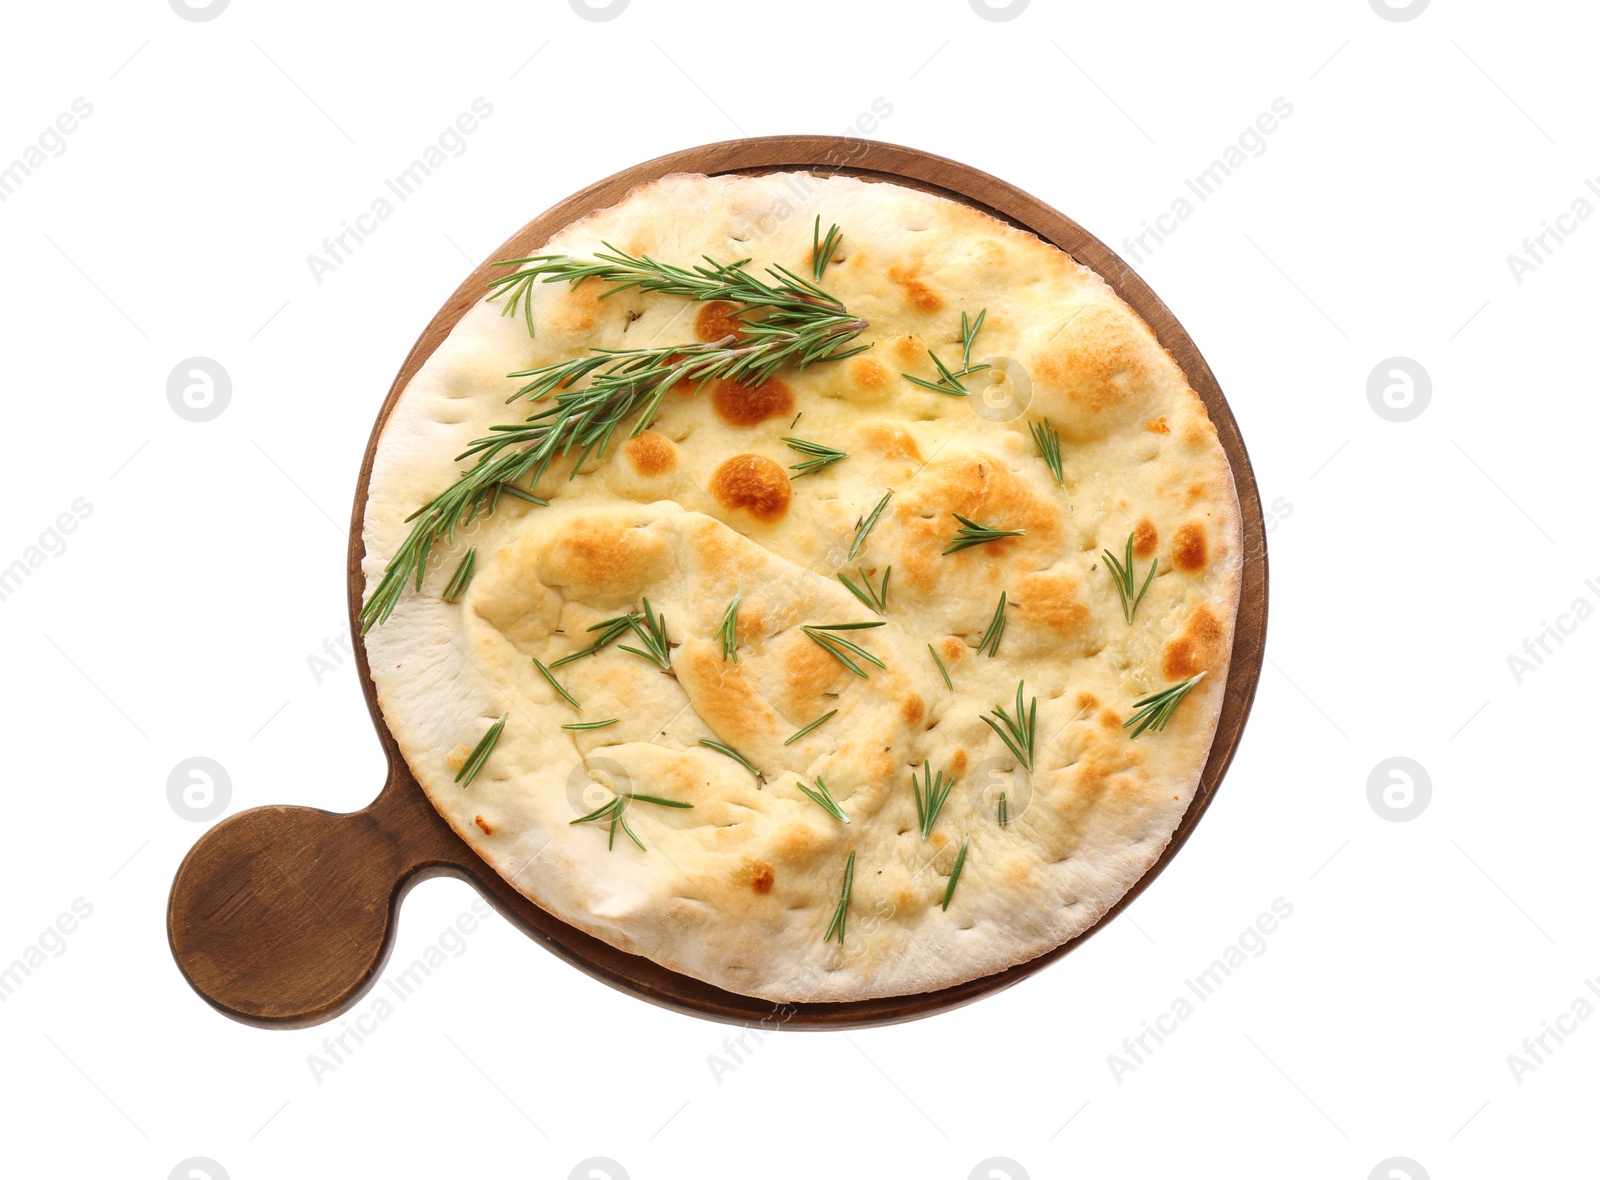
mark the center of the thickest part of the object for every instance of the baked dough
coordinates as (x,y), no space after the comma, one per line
(739,890)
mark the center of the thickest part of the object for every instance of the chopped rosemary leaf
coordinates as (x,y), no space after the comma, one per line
(865,526)
(555,684)
(591,724)
(972,533)
(824,799)
(1017,732)
(875,598)
(955,875)
(610,631)
(735,755)
(651,629)
(821,456)
(728,629)
(837,646)
(822,250)
(800,733)
(613,811)
(969,333)
(463,576)
(1049,444)
(1122,578)
(842,910)
(480,753)
(930,796)
(940,663)
(1156,710)
(997,629)
(1005,816)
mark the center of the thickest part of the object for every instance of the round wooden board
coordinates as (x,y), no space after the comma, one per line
(284,916)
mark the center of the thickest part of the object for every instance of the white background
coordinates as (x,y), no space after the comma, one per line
(1409,560)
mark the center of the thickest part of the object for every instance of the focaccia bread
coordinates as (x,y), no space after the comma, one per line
(740,889)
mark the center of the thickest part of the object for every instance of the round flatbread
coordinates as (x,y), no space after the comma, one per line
(705,505)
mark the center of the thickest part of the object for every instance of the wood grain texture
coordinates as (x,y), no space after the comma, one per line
(283,916)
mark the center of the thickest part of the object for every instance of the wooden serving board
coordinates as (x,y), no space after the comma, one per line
(284,916)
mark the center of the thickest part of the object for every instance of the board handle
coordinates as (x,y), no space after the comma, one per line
(283,916)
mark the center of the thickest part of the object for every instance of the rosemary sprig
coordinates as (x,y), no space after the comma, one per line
(800,733)
(1156,709)
(950,381)
(930,796)
(1049,444)
(866,526)
(940,664)
(1122,577)
(822,252)
(837,646)
(480,752)
(821,456)
(1017,732)
(875,598)
(555,684)
(955,875)
(651,629)
(720,748)
(591,724)
(997,629)
(824,799)
(463,576)
(613,811)
(784,294)
(972,533)
(728,629)
(610,630)
(1005,815)
(799,324)
(842,910)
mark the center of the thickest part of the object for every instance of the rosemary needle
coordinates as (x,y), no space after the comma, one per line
(942,671)
(610,631)
(1154,711)
(613,811)
(822,250)
(820,456)
(591,724)
(997,629)
(824,799)
(728,629)
(555,684)
(866,525)
(651,629)
(463,576)
(950,381)
(842,910)
(955,875)
(973,533)
(1049,444)
(1005,816)
(800,733)
(875,598)
(720,748)
(480,752)
(1122,578)
(841,648)
(930,796)
(1017,732)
